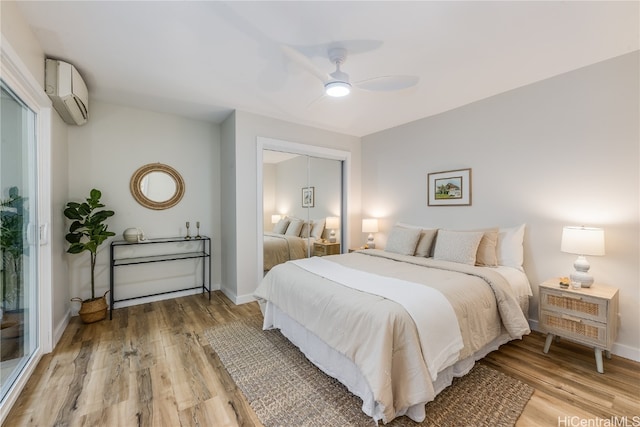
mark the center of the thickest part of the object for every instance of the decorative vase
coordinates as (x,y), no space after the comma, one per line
(133,235)
(93,310)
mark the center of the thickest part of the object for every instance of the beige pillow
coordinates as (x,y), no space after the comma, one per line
(424,247)
(425,243)
(281,226)
(403,240)
(306,230)
(487,255)
(457,246)
(294,227)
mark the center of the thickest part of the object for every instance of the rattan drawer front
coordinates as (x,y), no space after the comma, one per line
(579,305)
(578,329)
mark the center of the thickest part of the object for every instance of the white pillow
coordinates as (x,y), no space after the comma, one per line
(424,248)
(318,229)
(510,250)
(457,246)
(403,240)
(294,227)
(281,226)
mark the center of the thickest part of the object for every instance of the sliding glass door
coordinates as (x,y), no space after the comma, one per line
(18,242)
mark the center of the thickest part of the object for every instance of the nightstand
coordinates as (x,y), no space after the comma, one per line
(587,315)
(325,248)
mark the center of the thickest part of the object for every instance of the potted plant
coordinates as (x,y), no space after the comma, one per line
(86,233)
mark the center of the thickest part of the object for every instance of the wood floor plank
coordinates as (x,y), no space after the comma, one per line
(152,366)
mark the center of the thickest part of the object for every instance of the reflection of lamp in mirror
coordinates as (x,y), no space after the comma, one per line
(333,222)
(370,226)
(582,241)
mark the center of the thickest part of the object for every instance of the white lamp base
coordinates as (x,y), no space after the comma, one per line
(332,236)
(370,243)
(581,274)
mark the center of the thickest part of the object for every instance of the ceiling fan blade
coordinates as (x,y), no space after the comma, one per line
(388,83)
(305,63)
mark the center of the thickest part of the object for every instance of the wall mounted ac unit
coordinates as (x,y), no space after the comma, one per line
(67,91)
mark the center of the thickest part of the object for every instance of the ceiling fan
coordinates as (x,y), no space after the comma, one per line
(338,84)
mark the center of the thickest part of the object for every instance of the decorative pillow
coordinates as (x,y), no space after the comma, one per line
(317,229)
(403,240)
(294,227)
(510,250)
(487,252)
(306,229)
(281,226)
(457,246)
(424,247)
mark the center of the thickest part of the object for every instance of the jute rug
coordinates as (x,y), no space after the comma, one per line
(285,389)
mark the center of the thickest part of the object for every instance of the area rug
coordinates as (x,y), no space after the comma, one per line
(285,389)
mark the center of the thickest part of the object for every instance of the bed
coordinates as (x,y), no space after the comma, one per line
(290,239)
(395,326)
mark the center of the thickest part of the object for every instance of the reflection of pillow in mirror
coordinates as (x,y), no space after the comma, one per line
(281,226)
(403,240)
(294,227)
(318,228)
(457,246)
(306,230)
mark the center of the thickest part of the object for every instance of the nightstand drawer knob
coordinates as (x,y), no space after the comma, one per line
(573,319)
(571,296)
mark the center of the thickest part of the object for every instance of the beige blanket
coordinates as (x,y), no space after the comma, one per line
(377,334)
(279,248)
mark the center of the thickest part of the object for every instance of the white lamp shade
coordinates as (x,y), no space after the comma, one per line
(582,241)
(370,225)
(332,222)
(275,219)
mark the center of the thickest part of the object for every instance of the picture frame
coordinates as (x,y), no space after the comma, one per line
(449,188)
(308,197)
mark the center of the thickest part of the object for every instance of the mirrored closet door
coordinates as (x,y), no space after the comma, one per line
(302,206)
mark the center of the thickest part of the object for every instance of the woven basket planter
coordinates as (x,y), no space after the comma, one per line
(93,310)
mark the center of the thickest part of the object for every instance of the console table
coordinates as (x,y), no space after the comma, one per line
(204,252)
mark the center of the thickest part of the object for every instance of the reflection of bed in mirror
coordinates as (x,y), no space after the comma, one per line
(291,238)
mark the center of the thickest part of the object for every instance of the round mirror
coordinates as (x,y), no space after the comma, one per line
(157,186)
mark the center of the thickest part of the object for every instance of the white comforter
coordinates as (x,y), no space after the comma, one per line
(378,334)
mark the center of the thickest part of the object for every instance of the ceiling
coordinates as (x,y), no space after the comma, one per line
(204,59)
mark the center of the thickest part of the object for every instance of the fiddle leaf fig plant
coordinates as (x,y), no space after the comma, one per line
(88,230)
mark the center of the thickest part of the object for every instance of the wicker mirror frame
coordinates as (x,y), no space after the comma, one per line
(141,173)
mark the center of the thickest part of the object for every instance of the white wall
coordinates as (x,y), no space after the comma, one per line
(241,140)
(564,151)
(104,154)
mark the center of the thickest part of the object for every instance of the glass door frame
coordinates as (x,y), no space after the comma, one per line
(264,143)
(19,79)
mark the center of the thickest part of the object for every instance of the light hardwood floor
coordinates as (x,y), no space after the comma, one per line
(152,366)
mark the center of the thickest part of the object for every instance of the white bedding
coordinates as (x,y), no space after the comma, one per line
(333,324)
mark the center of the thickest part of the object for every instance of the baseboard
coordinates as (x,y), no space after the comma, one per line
(238,299)
(59,329)
(618,349)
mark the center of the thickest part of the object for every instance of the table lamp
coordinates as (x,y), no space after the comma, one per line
(333,222)
(370,226)
(582,241)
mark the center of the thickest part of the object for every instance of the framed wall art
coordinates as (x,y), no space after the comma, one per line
(308,197)
(449,188)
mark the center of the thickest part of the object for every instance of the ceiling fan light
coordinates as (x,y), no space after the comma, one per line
(337,89)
